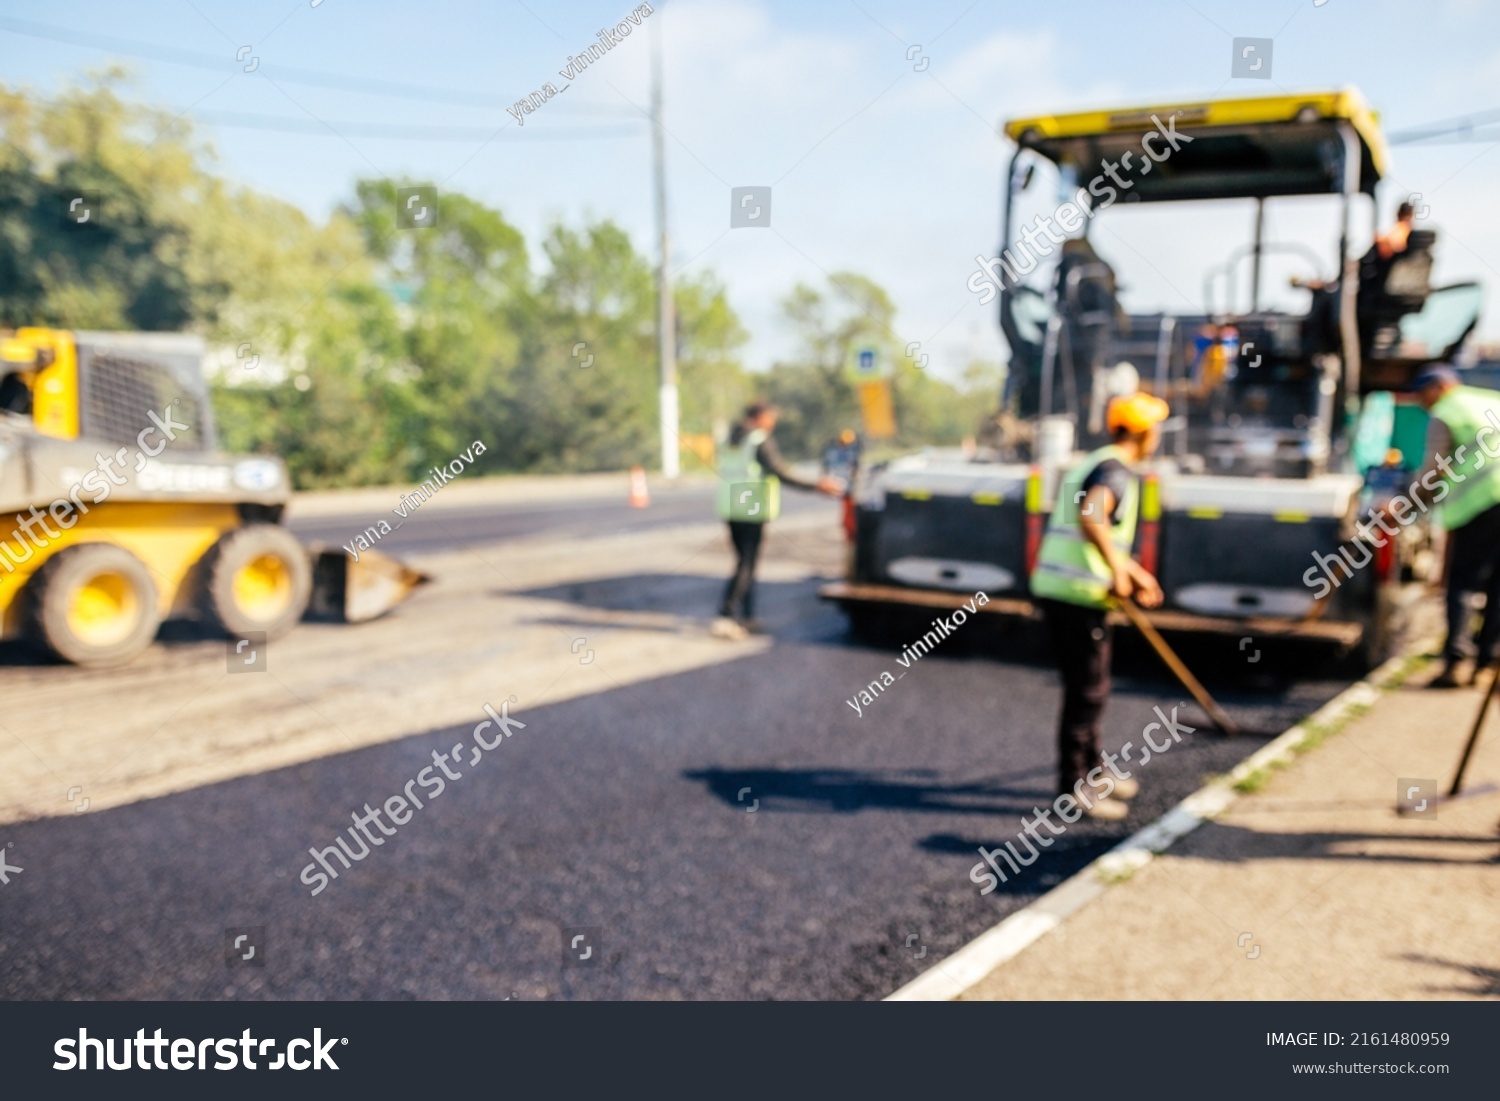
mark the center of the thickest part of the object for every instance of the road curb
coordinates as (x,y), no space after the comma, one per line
(951,977)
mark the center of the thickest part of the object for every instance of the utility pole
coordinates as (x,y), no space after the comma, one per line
(666,319)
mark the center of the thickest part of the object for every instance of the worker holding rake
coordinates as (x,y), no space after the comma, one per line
(1082,569)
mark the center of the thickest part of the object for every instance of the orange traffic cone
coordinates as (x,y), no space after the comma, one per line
(640,496)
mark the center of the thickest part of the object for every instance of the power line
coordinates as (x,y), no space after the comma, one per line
(1449,130)
(1457,136)
(341,81)
(395,131)
(153,52)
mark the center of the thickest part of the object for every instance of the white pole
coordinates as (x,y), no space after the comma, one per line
(666,323)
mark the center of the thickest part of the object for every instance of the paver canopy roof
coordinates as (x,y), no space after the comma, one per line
(1252,147)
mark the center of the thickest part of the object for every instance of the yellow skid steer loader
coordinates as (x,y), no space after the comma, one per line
(117,511)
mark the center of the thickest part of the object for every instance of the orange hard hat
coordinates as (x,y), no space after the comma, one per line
(1136,413)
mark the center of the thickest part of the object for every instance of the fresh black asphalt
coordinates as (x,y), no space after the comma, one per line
(732,832)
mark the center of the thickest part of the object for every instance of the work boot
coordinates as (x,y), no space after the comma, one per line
(1449,677)
(726,628)
(1111,809)
(1106,810)
(1480,667)
(1125,789)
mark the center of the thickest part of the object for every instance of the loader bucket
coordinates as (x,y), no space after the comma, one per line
(347,591)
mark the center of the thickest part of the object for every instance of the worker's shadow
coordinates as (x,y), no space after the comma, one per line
(672,593)
(1231,844)
(1486,982)
(782,607)
(847,791)
(1003,800)
(1239,845)
(791,611)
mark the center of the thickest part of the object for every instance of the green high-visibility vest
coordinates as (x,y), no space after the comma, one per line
(1467,412)
(1069,567)
(746,493)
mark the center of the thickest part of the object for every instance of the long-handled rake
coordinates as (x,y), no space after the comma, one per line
(1455,789)
(1484,707)
(1184,675)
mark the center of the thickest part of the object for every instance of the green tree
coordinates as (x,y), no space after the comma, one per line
(815,395)
(465,286)
(337,420)
(713,384)
(124,266)
(383,349)
(595,410)
(171,246)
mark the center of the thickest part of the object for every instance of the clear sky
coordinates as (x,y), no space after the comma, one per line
(879,163)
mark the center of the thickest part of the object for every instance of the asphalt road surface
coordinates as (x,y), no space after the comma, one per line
(718,825)
(457,527)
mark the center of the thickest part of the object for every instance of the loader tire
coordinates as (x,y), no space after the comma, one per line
(255,578)
(94,604)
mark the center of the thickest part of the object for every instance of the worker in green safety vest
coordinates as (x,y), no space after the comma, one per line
(751,474)
(1461,473)
(1083,567)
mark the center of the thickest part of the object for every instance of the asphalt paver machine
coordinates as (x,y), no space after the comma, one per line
(1287,421)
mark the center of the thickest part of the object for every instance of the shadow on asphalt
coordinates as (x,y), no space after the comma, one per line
(1066,856)
(690,595)
(787,611)
(1253,667)
(844,791)
(1287,680)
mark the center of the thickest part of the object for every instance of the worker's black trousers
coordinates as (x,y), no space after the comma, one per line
(1081,644)
(1474,567)
(739,595)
